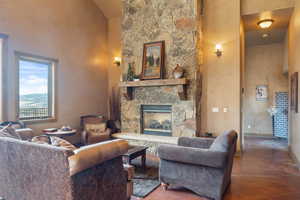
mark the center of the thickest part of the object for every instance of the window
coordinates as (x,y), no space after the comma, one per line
(1,80)
(35,88)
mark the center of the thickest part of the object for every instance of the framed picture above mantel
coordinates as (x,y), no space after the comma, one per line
(153,60)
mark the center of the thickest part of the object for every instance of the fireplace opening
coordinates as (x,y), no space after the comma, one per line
(156,120)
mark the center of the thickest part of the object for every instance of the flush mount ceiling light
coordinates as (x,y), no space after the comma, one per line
(265,35)
(266,23)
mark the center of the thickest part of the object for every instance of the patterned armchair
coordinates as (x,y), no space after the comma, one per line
(94,129)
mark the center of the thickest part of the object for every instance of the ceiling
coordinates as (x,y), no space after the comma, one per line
(110,8)
(276,32)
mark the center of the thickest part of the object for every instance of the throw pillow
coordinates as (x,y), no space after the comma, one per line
(54,141)
(59,142)
(96,129)
(42,139)
(10,132)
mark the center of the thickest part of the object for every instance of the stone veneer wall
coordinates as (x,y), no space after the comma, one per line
(177,23)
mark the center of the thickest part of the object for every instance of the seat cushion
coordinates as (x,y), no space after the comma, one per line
(10,132)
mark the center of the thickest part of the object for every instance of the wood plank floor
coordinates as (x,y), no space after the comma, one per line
(264,172)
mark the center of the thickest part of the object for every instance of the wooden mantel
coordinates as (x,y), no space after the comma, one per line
(179,83)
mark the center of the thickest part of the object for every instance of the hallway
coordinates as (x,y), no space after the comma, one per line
(264,172)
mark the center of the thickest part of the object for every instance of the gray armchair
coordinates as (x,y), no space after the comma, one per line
(202,165)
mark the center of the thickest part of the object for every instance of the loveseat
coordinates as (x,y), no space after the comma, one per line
(30,171)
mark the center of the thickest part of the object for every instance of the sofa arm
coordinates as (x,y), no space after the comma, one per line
(92,155)
(195,142)
(193,156)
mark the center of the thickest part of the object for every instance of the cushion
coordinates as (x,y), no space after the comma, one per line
(55,141)
(96,129)
(10,132)
(223,142)
(59,142)
(95,154)
(42,139)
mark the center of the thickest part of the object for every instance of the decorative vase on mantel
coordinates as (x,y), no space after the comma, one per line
(178,72)
(130,73)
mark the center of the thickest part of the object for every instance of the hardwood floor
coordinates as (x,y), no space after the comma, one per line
(264,172)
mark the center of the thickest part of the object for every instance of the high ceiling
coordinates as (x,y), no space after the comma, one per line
(110,8)
(276,33)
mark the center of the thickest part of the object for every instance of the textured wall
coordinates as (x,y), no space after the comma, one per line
(294,66)
(177,24)
(257,6)
(263,67)
(75,33)
(221,75)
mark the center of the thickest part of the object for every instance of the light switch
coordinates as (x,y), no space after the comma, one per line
(215,109)
(225,110)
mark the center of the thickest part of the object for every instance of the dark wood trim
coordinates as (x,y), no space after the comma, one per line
(179,83)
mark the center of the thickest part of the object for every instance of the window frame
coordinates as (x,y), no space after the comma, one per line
(52,94)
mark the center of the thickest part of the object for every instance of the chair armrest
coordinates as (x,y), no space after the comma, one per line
(92,155)
(193,156)
(195,142)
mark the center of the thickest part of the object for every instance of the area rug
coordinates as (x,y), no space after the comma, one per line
(145,181)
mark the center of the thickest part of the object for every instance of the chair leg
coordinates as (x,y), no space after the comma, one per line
(165,186)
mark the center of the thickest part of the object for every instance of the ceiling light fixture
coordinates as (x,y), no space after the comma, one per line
(265,35)
(266,23)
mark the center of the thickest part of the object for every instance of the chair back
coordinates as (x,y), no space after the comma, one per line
(91,119)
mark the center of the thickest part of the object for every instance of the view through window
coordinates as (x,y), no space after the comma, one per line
(1,80)
(35,88)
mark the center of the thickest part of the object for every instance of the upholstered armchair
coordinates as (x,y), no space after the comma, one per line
(202,165)
(94,129)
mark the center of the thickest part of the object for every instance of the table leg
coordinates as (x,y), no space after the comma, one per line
(127,160)
(144,161)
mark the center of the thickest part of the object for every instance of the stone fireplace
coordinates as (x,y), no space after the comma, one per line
(159,107)
(156,120)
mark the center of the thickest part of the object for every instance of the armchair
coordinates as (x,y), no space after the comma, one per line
(202,165)
(94,129)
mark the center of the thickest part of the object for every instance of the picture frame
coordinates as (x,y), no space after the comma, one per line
(261,93)
(294,92)
(153,60)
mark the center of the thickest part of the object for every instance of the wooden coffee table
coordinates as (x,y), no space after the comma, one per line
(134,152)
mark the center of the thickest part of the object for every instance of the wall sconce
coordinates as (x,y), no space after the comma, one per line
(117,61)
(218,50)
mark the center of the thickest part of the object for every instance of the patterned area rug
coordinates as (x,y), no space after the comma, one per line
(145,181)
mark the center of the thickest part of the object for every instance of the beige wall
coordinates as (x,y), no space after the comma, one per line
(114,71)
(257,6)
(221,75)
(75,33)
(294,66)
(264,64)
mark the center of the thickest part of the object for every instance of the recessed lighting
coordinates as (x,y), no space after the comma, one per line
(266,23)
(265,35)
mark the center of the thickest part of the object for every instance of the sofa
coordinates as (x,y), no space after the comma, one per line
(202,165)
(31,171)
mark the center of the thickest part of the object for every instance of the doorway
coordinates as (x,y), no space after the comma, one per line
(265,99)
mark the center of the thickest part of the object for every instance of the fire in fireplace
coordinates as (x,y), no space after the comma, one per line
(156,120)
